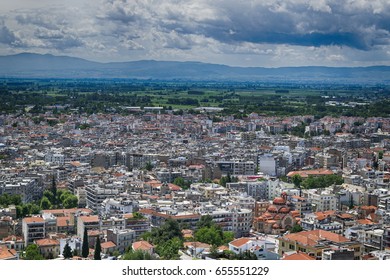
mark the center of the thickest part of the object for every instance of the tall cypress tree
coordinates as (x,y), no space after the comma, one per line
(85,249)
(54,190)
(67,253)
(98,250)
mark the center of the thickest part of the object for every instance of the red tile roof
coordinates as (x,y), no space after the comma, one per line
(47,242)
(67,212)
(312,237)
(298,257)
(239,242)
(365,222)
(13,238)
(142,245)
(107,245)
(32,220)
(306,173)
(89,219)
(63,222)
(6,253)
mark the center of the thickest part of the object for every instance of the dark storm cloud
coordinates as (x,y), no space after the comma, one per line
(305,23)
(7,36)
(270,31)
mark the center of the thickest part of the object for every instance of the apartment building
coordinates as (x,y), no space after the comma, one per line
(33,228)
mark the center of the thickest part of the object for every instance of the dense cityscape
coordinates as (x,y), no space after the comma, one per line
(154,184)
(184,130)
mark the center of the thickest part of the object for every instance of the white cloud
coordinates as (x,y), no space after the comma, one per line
(240,32)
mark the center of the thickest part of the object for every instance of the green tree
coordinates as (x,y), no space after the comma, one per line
(247,255)
(32,252)
(54,190)
(25,210)
(205,221)
(85,248)
(71,201)
(149,166)
(98,250)
(15,199)
(228,236)
(169,230)
(138,216)
(182,183)
(296,228)
(45,203)
(209,235)
(19,211)
(380,155)
(297,180)
(322,181)
(35,209)
(137,255)
(169,250)
(67,252)
(49,195)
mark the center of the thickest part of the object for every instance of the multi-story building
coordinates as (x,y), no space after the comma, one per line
(322,221)
(139,225)
(301,204)
(322,200)
(49,248)
(263,249)
(97,194)
(112,222)
(33,228)
(117,206)
(7,225)
(315,241)
(268,164)
(258,189)
(242,222)
(28,188)
(87,222)
(386,237)
(337,253)
(373,240)
(236,167)
(123,238)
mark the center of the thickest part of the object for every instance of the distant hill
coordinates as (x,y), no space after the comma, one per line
(29,65)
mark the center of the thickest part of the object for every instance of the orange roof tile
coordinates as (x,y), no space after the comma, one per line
(312,237)
(174,187)
(107,245)
(314,172)
(142,245)
(6,253)
(13,238)
(323,215)
(298,257)
(345,216)
(90,219)
(239,242)
(365,222)
(32,220)
(47,242)
(66,212)
(63,222)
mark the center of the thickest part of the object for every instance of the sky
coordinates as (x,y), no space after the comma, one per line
(264,33)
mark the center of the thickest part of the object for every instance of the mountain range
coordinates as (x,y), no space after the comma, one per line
(30,65)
